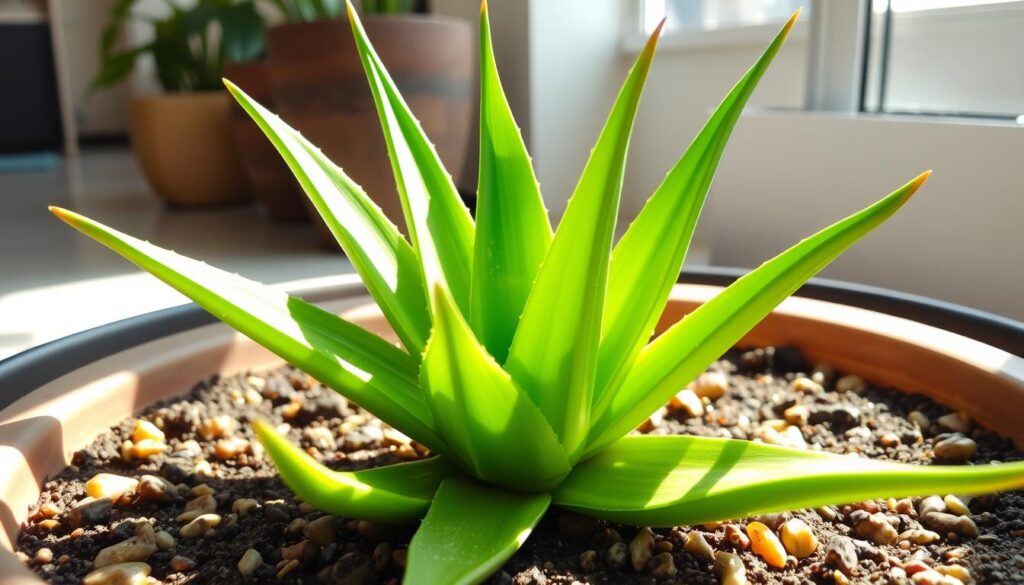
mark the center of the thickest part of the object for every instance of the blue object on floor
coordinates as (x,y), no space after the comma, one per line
(27,162)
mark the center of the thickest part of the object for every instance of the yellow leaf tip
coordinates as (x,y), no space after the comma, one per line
(920,179)
(350,9)
(483,7)
(60,212)
(792,20)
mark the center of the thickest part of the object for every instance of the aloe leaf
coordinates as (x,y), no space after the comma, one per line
(491,425)
(681,480)
(341,355)
(645,263)
(393,494)
(689,346)
(439,223)
(554,352)
(380,254)
(512,228)
(470,531)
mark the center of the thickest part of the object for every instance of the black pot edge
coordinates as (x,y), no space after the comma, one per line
(30,369)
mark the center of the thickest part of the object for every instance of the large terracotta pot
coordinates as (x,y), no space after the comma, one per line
(74,389)
(320,88)
(272,182)
(183,144)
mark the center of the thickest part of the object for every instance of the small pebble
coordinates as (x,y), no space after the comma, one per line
(798,538)
(381,557)
(920,536)
(766,545)
(182,564)
(730,569)
(202,490)
(164,540)
(854,384)
(931,504)
(957,572)
(958,422)
(321,531)
(955,449)
(157,489)
(662,565)
(288,568)
(109,485)
(196,507)
(145,449)
(711,385)
(136,548)
(919,419)
(146,430)
(944,523)
(200,526)
(841,553)
(688,402)
(956,506)
(697,545)
(616,555)
(827,513)
(244,506)
(796,415)
(121,574)
(736,537)
(877,529)
(227,449)
(807,386)
(43,556)
(250,561)
(889,440)
(296,526)
(217,427)
(588,560)
(640,549)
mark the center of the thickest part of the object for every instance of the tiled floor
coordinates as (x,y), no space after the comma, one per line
(54,281)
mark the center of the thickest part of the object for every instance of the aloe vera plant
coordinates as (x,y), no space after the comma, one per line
(526,355)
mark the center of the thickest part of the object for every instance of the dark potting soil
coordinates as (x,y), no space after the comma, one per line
(857,543)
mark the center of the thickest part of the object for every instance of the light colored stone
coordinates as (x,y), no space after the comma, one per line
(790,437)
(806,385)
(43,556)
(663,565)
(250,562)
(696,544)
(851,383)
(796,414)
(956,506)
(736,537)
(196,507)
(920,419)
(244,506)
(146,430)
(798,538)
(288,568)
(230,448)
(640,549)
(920,536)
(109,485)
(688,402)
(766,545)
(202,490)
(137,548)
(956,571)
(200,526)
(147,448)
(877,529)
(217,427)
(730,569)
(121,574)
(958,422)
(164,540)
(711,385)
(955,449)
(157,489)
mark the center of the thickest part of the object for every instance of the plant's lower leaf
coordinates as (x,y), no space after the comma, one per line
(378,251)
(680,480)
(393,494)
(689,346)
(512,228)
(359,364)
(470,530)
(439,223)
(645,263)
(492,427)
(554,352)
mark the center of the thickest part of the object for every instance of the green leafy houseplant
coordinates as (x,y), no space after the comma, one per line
(526,356)
(312,10)
(190,46)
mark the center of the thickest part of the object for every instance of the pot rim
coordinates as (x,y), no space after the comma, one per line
(44,363)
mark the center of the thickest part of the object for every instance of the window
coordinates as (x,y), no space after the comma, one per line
(694,15)
(946,57)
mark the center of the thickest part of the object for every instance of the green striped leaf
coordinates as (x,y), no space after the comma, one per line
(554,352)
(683,480)
(491,425)
(358,364)
(439,223)
(393,494)
(646,262)
(689,346)
(512,228)
(380,254)
(470,531)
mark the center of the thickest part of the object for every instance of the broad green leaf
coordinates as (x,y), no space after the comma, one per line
(554,352)
(645,263)
(439,223)
(680,480)
(512,228)
(393,494)
(341,355)
(378,251)
(470,531)
(689,346)
(491,425)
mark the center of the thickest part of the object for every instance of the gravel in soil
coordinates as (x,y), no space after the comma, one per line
(203,504)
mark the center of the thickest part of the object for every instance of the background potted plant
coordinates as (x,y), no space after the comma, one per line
(186,127)
(318,85)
